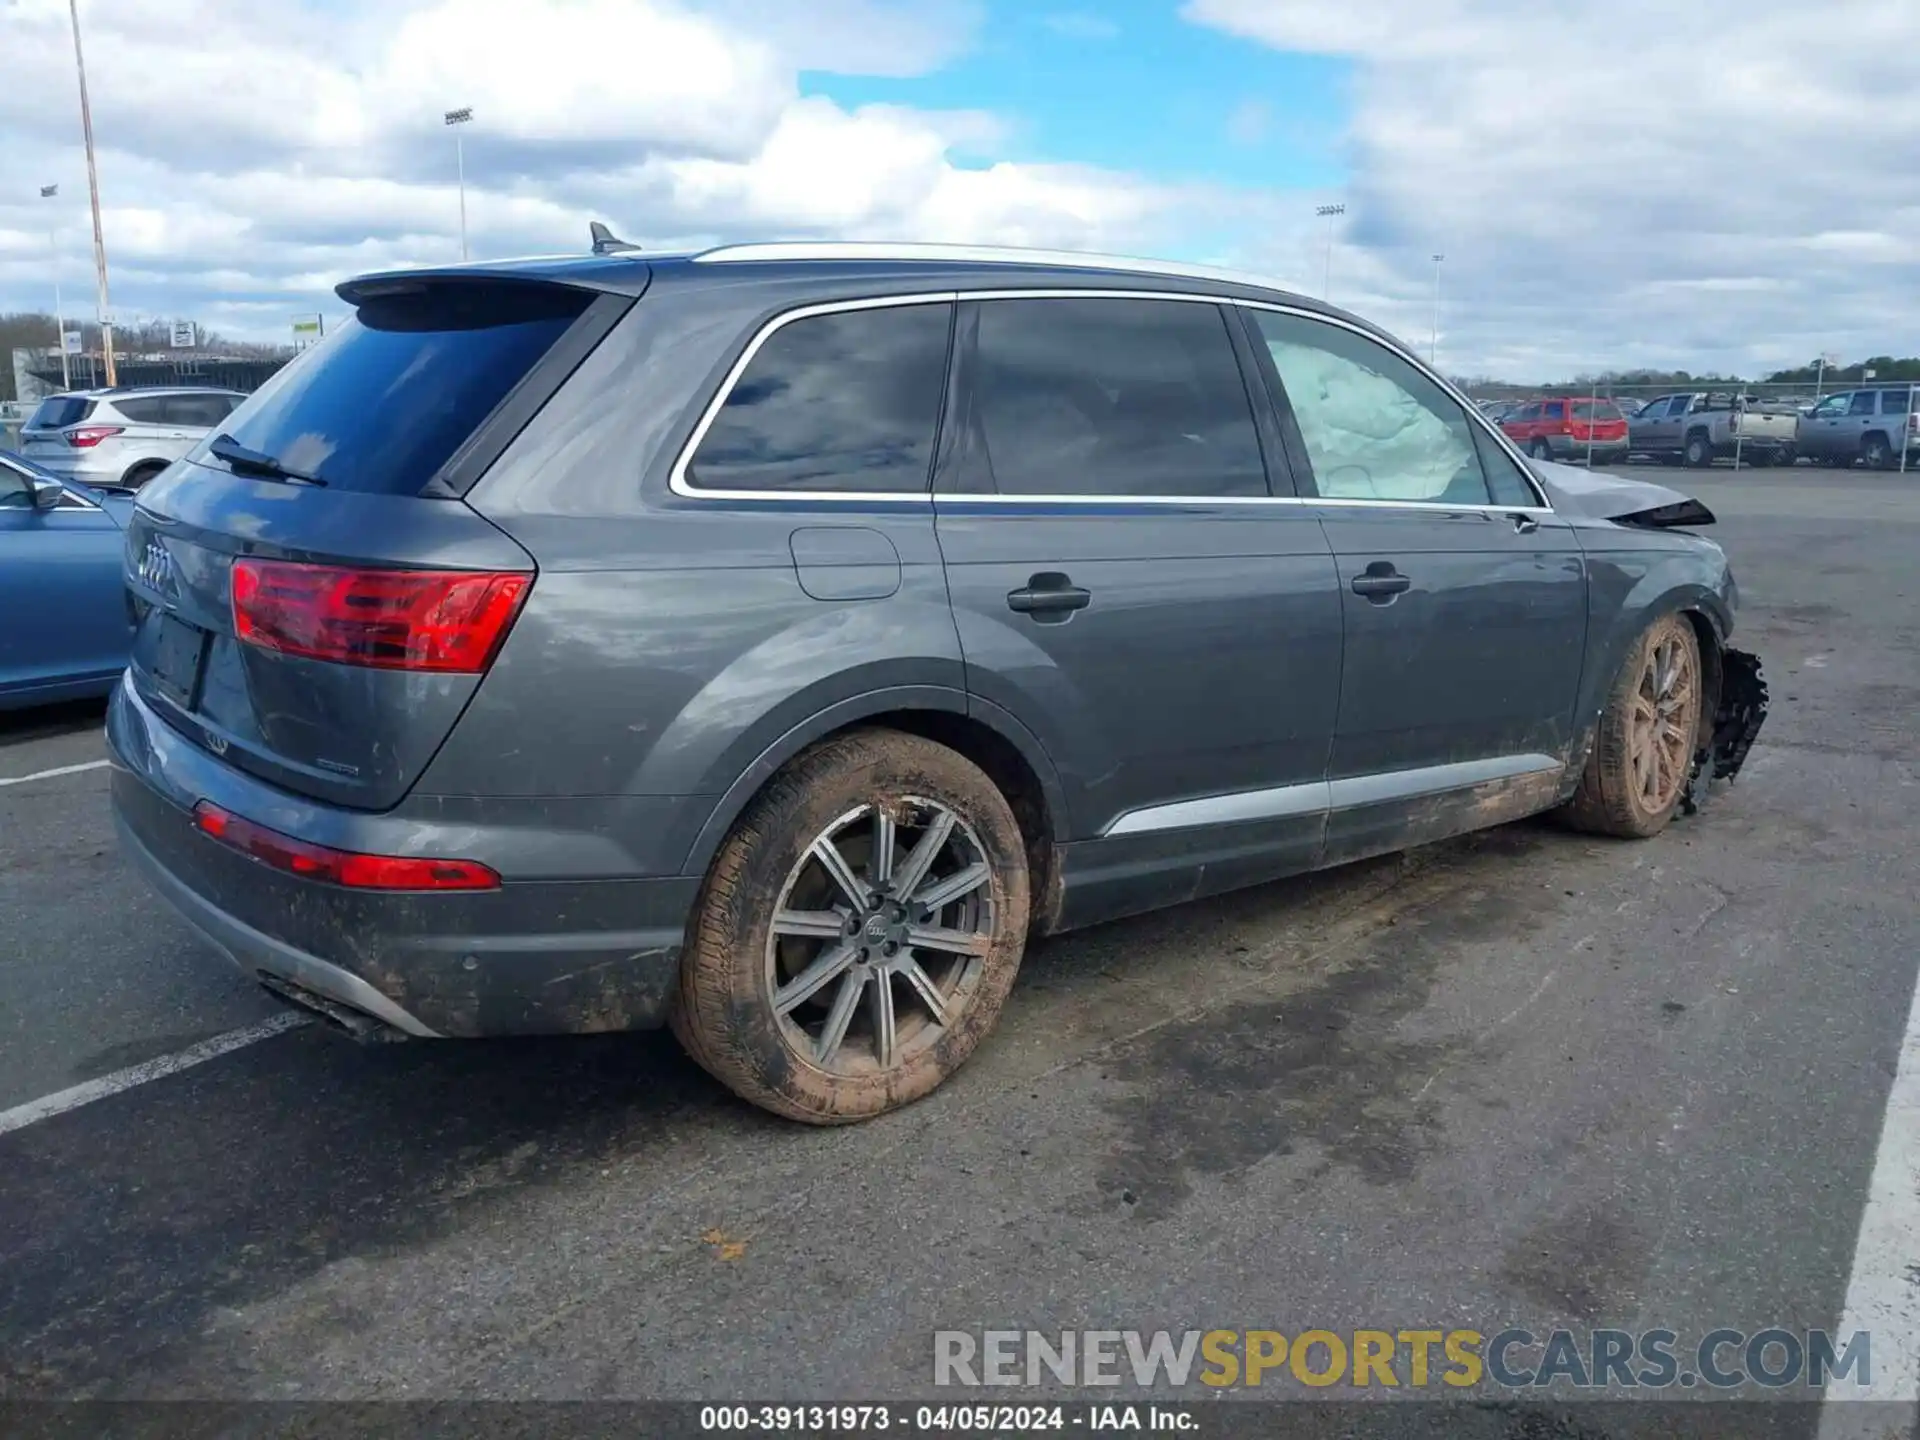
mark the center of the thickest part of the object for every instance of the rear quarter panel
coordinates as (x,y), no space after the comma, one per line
(668,647)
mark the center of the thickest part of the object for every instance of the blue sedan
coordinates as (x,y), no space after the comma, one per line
(63,610)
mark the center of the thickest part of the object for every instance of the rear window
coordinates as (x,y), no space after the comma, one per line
(148,410)
(1597,410)
(382,403)
(60,411)
(1897,402)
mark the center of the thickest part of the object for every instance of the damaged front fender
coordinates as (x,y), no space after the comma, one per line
(1736,723)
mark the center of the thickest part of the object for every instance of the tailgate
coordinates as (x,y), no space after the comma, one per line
(311,602)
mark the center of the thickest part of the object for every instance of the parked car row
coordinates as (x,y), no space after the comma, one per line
(1695,428)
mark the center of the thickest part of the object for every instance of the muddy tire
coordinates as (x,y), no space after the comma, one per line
(1643,753)
(858,932)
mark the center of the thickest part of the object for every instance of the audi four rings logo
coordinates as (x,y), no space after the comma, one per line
(156,567)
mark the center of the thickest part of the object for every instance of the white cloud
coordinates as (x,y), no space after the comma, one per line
(253,156)
(1727,182)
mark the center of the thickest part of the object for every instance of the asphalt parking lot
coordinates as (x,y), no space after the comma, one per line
(1527,1078)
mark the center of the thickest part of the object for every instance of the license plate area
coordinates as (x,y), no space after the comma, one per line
(179,651)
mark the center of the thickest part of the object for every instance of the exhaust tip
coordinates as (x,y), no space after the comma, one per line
(345,1018)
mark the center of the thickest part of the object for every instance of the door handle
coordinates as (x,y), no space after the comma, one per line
(1524,524)
(1381,582)
(1049,594)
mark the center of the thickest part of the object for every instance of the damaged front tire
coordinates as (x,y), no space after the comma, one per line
(1642,762)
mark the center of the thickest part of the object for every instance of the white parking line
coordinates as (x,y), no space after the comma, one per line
(47,1106)
(56,772)
(1883,1294)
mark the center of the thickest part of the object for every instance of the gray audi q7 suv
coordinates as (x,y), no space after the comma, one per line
(769,641)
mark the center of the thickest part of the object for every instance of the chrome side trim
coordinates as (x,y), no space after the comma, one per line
(1393,785)
(1275,804)
(1321,796)
(677,478)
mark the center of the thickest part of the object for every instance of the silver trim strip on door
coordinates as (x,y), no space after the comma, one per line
(679,484)
(1322,797)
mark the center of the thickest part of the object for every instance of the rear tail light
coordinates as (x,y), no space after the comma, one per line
(86,437)
(449,621)
(1733,422)
(340,867)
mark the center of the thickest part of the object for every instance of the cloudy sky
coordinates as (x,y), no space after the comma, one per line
(1727,183)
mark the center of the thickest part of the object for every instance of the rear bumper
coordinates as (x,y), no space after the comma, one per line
(1566,448)
(71,464)
(534,957)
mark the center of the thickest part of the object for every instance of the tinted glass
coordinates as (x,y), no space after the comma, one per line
(1375,427)
(198,411)
(1113,397)
(61,410)
(1598,410)
(1862,403)
(834,402)
(1896,402)
(1504,481)
(16,490)
(145,410)
(383,402)
(1554,410)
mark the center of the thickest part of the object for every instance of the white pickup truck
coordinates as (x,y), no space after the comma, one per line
(1700,428)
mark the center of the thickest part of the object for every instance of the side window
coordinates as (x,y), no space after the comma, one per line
(843,401)
(1831,406)
(1862,403)
(1555,410)
(1526,413)
(1113,397)
(16,492)
(1504,481)
(199,411)
(149,410)
(1375,427)
(1895,402)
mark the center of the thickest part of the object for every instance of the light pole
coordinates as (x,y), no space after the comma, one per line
(1329,213)
(458,118)
(1433,346)
(93,189)
(49,192)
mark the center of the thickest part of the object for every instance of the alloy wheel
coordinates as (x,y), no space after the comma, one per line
(1660,731)
(879,936)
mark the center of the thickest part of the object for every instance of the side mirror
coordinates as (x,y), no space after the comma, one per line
(46,492)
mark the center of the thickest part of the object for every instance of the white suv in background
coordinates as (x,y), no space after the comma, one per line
(121,438)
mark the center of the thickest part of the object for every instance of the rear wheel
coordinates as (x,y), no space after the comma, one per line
(1877,454)
(140,475)
(1540,450)
(1642,756)
(1699,452)
(858,932)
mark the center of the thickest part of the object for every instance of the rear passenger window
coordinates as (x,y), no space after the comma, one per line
(845,401)
(198,411)
(150,410)
(1375,427)
(1113,397)
(1896,402)
(1862,403)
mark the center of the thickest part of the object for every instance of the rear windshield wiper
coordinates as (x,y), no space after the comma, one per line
(243,461)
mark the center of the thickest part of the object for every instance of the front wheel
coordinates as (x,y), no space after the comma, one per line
(858,932)
(1642,757)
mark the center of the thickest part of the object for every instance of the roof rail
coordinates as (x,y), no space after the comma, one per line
(975,254)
